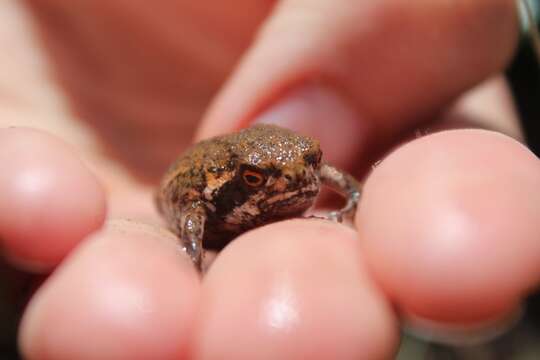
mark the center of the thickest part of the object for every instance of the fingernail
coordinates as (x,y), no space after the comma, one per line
(319,112)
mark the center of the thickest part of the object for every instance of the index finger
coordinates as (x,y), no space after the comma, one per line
(363,72)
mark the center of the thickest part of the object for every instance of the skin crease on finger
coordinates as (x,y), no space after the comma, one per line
(449,225)
(300,291)
(50,200)
(126,293)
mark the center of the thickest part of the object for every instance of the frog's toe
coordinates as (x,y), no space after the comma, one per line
(336,216)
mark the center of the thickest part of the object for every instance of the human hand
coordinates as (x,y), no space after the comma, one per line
(286,290)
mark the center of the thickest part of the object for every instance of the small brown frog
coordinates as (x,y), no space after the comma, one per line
(224,186)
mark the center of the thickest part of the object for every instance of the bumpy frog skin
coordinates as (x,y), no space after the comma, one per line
(224,186)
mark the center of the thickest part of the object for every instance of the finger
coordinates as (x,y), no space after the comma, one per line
(292,290)
(361,73)
(450,223)
(49,201)
(143,98)
(126,293)
(489,105)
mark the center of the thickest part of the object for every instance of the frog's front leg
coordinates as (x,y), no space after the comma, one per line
(191,233)
(344,184)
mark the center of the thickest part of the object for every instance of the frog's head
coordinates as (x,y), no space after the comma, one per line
(275,176)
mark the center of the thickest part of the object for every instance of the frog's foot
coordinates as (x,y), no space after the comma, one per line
(195,253)
(347,212)
(318,217)
(192,229)
(336,216)
(345,185)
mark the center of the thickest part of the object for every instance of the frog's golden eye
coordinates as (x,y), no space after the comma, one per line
(253,178)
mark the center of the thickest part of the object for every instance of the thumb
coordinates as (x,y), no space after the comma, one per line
(358,74)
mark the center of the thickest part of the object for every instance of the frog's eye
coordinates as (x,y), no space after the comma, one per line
(253,178)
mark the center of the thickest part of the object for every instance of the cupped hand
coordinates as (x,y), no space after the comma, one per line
(445,228)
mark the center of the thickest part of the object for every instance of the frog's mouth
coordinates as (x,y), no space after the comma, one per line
(262,208)
(295,197)
(288,198)
(287,195)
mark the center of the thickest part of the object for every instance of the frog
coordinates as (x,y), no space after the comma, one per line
(224,186)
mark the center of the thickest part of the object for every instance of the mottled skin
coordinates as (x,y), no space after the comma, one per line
(224,186)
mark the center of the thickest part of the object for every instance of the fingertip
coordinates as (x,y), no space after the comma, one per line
(126,293)
(291,290)
(449,224)
(50,200)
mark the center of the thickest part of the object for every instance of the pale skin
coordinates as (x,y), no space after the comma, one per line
(141,298)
